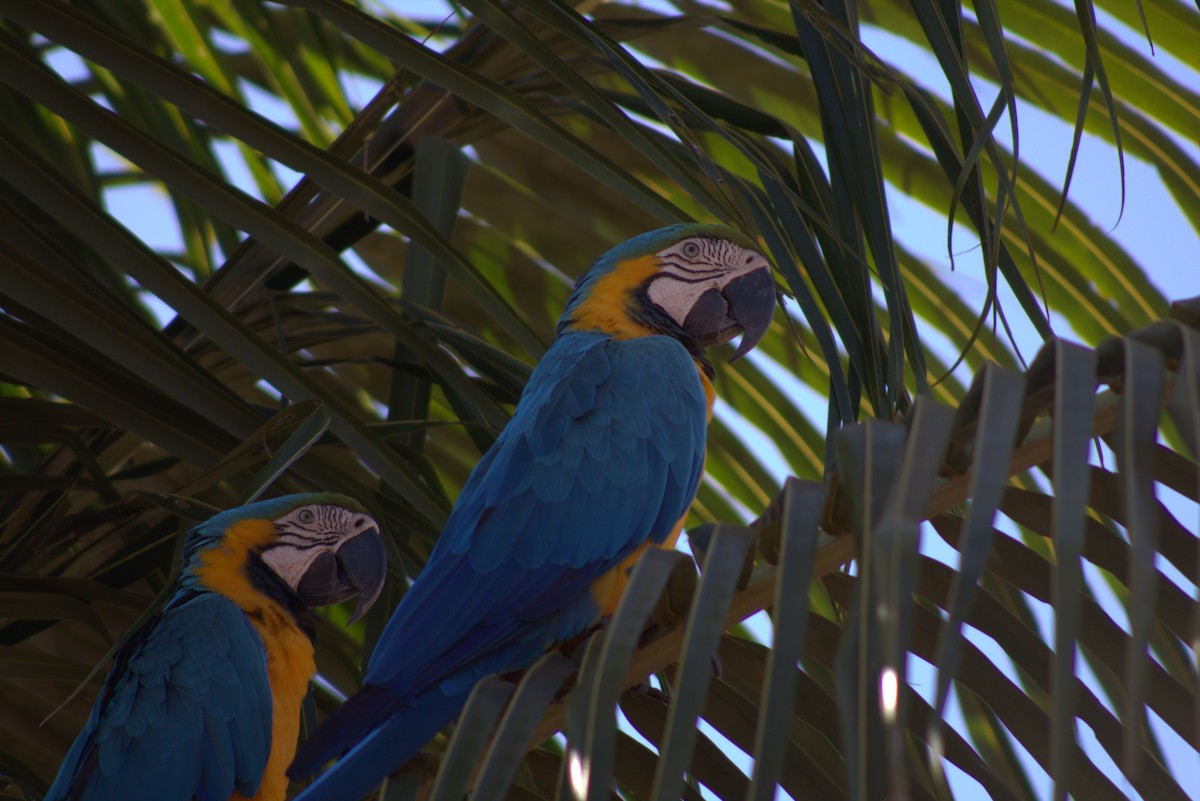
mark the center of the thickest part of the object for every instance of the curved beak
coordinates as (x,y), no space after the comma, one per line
(745,306)
(358,566)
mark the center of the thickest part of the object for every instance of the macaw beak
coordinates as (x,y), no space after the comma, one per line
(745,306)
(358,566)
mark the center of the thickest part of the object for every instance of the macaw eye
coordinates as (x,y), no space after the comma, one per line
(691,249)
(306,516)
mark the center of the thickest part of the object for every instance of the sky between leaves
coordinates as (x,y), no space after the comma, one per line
(1152,228)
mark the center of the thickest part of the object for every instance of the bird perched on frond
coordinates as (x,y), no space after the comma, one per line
(203,702)
(601,459)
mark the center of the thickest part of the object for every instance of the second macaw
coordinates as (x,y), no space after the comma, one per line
(203,702)
(601,459)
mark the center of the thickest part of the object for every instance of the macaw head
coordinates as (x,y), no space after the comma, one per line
(323,546)
(702,284)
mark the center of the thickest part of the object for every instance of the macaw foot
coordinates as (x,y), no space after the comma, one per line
(642,688)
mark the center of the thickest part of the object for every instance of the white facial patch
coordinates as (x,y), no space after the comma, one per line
(309,531)
(695,265)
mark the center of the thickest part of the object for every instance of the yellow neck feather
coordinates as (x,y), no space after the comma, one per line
(290,663)
(606,307)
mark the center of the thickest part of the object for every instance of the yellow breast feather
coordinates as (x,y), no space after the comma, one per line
(290,663)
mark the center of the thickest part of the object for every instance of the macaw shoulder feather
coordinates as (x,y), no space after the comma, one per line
(605,451)
(172,721)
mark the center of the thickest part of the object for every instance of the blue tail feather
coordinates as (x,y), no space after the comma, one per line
(345,726)
(381,752)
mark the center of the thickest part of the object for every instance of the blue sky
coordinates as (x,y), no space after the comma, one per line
(1157,234)
(1152,229)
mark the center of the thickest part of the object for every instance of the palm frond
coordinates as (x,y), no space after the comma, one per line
(375,219)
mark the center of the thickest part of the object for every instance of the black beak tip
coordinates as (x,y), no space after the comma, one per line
(363,563)
(359,567)
(751,299)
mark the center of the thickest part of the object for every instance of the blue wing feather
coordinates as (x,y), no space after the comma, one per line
(364,765)
(523,510)
(184,713)
(580,477)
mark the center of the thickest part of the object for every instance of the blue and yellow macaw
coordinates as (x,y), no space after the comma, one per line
(601,459)
(203,702)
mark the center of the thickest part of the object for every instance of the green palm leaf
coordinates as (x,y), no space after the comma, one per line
(367,326)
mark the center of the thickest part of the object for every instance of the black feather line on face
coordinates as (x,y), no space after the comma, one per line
(268,582)
(705,273)
(651,315)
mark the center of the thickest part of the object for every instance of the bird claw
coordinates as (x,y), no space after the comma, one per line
(654,693)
